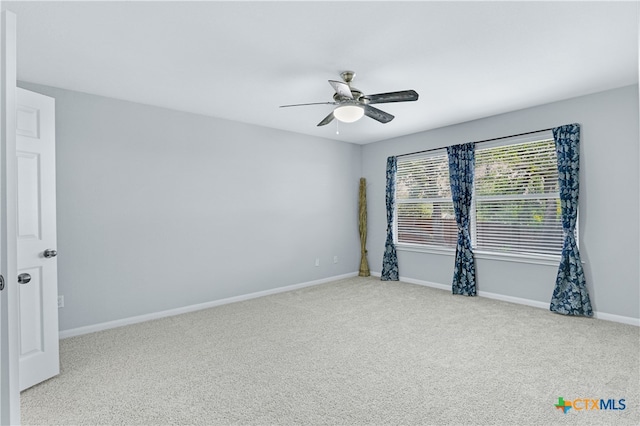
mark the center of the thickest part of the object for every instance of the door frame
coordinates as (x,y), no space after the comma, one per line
(9,343)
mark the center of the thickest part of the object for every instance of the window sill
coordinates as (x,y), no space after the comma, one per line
(535,259)
(547,260)
(419,248)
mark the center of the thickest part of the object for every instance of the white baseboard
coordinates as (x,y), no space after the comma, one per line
(616,318)
(191,308)
(512,299)
(518,300)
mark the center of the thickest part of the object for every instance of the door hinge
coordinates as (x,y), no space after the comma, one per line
(1,283)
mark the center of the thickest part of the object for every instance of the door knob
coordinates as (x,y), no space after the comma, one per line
(24,278)
(48,253)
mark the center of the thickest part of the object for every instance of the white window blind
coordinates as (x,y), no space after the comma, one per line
(516,204)
(423,201)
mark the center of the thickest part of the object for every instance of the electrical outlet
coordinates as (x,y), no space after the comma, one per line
(60,301)
(335,259)
(317,261)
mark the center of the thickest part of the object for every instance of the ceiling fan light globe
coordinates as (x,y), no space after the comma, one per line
(348,113)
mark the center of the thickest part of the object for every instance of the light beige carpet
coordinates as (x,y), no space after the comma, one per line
(356,351)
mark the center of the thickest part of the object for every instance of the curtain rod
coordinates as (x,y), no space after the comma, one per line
(486,140)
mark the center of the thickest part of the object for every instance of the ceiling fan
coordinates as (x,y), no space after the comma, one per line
(352,104)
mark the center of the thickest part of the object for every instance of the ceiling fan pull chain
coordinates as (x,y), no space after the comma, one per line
(337,129)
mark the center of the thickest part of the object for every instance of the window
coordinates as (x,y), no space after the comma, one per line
(423,201)
(516,204)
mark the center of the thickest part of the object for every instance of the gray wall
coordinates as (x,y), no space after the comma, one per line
(609,207)
(159,209)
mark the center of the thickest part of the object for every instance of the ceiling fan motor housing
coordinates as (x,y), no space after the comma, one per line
(347,77)
(357,96)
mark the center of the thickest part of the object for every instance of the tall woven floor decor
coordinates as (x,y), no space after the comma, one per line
(362,227)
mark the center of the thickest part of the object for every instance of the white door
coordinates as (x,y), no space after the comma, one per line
(9,364)
(36,236)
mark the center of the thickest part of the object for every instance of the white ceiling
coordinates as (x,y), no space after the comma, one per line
(241,60)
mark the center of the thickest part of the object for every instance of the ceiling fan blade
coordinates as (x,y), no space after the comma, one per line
(313,103)
(402,96)
(341,89)
(328,119)
(376,114)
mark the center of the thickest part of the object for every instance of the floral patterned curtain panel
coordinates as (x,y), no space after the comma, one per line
(570,296)
(390,257)
(461,168)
